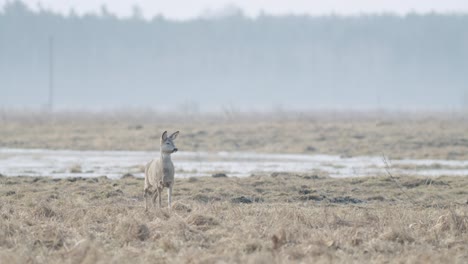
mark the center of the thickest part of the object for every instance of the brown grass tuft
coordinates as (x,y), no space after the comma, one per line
(51,237)
(86,252)
(252,247)
(130,230)
(452,221)
(168,245)
(180,207)
(279,240)
(397,235)
(75,169)
(202,220)
(8,230)
(44,210)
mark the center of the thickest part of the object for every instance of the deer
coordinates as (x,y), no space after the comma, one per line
(159,172)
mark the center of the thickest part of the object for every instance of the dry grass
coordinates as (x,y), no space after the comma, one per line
(441,136)
(282,219)
(278,218)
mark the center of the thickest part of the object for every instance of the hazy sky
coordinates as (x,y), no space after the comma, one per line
(183,9)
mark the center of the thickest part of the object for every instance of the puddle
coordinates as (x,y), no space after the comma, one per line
(114,164)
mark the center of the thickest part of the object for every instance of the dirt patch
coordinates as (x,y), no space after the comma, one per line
(205,198)
(219,175)
(423,182)
(345,200)
(246,200)
(128,175)
(312,197)
(114,193)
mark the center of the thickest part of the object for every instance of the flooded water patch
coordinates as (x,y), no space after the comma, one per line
(114,164)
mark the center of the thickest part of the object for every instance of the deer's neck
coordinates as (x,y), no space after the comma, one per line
(166,159)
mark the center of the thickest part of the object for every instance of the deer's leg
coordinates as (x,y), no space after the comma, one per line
(155,195)
(159,195)
(169,196)
(147,194)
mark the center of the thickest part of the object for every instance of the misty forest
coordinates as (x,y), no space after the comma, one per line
(416,61)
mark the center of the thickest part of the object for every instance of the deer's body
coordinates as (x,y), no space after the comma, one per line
(159,172)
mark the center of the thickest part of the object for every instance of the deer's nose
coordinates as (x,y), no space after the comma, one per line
(175,150)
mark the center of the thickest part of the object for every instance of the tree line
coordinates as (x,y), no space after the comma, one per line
(381,60)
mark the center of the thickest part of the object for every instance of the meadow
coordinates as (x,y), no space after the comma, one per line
(280,218)
(264,218)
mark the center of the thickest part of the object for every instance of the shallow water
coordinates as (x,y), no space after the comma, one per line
(114,164)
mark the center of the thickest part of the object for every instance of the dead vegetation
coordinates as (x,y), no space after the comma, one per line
(399,135)
(56,220)
(277,218)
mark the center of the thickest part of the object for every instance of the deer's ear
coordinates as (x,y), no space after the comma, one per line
(164,136)
(174,135)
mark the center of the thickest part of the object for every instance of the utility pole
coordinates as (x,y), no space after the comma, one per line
(51,74)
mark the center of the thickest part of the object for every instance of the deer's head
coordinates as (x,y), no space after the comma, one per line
(167,142)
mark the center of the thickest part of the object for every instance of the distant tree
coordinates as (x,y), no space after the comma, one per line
(16,9)
(137,13)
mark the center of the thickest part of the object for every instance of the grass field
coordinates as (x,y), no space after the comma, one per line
(277,218)
(404,135)
(280,218)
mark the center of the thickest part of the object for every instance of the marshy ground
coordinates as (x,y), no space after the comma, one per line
(266,218)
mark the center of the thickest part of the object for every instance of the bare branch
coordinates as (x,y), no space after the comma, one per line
(395,180)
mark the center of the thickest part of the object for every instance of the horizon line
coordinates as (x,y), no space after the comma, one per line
(226,12)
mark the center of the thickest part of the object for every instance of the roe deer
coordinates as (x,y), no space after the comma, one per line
(159,172)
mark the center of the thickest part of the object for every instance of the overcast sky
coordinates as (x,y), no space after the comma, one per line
(185,9)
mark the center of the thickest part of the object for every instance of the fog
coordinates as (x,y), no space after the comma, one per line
(380,61)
